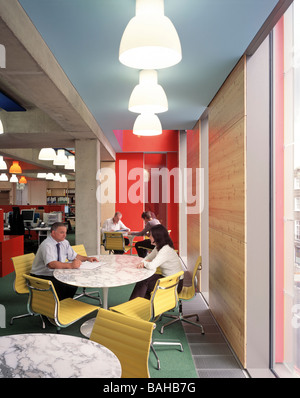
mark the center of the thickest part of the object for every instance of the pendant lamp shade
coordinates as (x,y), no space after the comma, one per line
(23,180)
(148,96)
(1,127)
(15,168)
(47,154)
(13,178)
(147,124)
(150,40)
(3,177)
(50,176)
(41,175)
(61,158)
(70,165)
(3,165)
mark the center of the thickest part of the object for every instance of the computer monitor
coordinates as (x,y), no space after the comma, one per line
(28,215)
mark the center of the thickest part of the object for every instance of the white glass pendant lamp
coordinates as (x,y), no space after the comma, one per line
(47,154)
(148,96)
(3,177)
(61,158)
(1,127)
(150,40)
(3,165)
(13,178)
(147,124)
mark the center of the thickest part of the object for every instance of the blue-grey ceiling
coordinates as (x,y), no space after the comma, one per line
(84,36)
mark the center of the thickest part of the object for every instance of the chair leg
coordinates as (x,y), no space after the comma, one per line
(19,316)
(156,356)
(182,318)
(85,294)
(171,343)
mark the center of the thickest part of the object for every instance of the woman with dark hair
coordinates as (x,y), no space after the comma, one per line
(163,256)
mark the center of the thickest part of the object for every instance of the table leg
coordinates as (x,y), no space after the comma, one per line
(87,327)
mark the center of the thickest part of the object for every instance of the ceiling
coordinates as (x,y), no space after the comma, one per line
(84,37)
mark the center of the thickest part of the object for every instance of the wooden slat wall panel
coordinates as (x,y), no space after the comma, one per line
(193,220)
(227,209)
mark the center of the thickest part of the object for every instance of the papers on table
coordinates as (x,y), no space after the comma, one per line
(88,265)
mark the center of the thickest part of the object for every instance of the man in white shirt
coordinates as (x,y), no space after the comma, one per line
(114,225)
(52,254)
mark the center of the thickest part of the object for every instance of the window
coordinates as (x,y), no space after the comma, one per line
(286,216)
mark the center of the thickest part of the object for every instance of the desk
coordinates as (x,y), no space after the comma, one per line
(113,271)
(43,233)
(55,356)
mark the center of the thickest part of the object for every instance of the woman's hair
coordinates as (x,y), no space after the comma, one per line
(161,236)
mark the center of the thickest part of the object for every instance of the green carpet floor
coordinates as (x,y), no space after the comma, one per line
(174,364)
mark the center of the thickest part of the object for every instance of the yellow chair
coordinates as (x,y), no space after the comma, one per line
(22,265)
(43,300)
(187,293)
(80,249)
(129,339)
(163,298)
(114,241)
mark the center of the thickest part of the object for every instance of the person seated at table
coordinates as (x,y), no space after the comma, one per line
(114,225)
(163,256)
(150,221)
(52,254)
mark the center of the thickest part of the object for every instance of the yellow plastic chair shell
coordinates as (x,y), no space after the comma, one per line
(80,249)
(129,339)
(22,265)
(187,293)
(114,241)
(163,298)
(43,300)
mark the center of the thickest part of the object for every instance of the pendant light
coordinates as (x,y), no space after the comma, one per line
(61,158)
(70,165)
(147,124)
(23,180)
(150,40)
(50,176)
(41,175)
(3,177)
(47,154)
(3,165)
(148,96)
(13,178)
(15,168)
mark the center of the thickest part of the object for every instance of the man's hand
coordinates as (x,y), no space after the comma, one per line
(76,263)
(92,259)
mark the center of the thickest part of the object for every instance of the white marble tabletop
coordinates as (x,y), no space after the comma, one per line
(112,271)
(55,356)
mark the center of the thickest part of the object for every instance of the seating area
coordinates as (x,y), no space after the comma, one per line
(120,328)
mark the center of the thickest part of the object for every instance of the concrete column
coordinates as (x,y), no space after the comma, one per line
(88,221)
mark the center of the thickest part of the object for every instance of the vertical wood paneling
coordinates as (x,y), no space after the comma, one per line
(227,209)
(193,220)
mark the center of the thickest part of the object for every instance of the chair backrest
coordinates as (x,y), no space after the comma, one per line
(22,265)
(42,297)
(164,296)
(79,249)
(128,338)
(113,241)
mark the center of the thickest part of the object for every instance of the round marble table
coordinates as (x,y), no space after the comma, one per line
(55,356)
(110,271)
